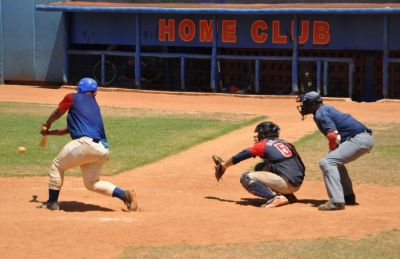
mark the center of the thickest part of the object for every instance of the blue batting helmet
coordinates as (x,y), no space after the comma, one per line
(87,84)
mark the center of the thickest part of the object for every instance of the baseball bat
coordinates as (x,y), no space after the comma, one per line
(43,142)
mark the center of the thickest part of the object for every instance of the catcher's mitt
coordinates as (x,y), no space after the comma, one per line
(219,169)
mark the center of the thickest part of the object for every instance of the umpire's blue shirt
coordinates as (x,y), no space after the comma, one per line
(328,118)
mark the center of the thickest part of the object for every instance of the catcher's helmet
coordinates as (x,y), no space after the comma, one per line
(87,84)
(267,129)
(309,102)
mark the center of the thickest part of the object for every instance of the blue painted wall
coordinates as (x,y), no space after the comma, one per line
(31,42)
(18,36)
(104,28)
(347,32)
(49,45)
(1,47)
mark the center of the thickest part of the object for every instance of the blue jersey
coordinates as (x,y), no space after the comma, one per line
(84,117)
(328,118)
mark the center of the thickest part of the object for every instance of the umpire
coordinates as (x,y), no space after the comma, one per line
(348,139)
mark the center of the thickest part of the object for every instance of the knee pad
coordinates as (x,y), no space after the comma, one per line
(245,180)
(256,188)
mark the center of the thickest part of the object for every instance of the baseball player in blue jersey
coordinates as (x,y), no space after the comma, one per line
(279,175)
(87,149)
(348,139)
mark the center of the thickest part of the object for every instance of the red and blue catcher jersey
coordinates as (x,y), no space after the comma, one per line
(280,155)
(84,117)
(272,150)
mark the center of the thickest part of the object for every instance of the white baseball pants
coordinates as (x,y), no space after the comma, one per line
(87,154)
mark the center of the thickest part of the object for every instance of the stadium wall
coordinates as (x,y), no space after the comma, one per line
(31,42)
(349,54)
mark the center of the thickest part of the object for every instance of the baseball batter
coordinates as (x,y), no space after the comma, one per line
(278,176)
(87,149)
(348,139)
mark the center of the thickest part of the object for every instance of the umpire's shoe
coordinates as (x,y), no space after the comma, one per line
(350,199)
(130,200)
(331,206)
(49,205)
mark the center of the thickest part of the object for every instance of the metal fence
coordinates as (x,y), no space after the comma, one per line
(196,75)
(394,82)
(191,72)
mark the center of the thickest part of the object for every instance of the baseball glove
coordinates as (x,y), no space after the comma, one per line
(219,169)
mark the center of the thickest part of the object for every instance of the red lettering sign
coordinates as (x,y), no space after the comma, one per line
(229,31)
(304,32)
(166,30)
(187,30)
(258,31)
(277,38)
(206,31)
(321,34)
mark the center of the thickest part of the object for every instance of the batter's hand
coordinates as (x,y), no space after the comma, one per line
(44,130)
(219,167)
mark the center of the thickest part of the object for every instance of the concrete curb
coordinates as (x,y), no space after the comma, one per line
(113,89)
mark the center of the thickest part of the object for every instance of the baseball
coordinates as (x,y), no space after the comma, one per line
(21,150)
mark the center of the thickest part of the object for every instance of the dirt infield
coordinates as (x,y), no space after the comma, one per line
(180,202)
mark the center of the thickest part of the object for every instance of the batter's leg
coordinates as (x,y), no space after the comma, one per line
(91,179)
(92,182)
(69,157)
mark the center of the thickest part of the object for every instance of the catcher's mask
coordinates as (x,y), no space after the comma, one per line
(309,102)
(267,129)
(87,84)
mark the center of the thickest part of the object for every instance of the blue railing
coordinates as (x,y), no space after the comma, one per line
(321,64)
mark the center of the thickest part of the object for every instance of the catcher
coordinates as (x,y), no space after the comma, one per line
(278,176)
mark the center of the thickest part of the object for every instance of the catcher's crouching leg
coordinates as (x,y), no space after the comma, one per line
(256,188)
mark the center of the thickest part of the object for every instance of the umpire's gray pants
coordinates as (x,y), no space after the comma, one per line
(337,181)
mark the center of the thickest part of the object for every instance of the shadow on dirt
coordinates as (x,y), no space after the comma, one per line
(76,206)
(244,201)
(314,203)
(257,202)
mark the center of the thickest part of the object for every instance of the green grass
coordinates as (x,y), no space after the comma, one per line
(385,245)
(136,136)
(380,166)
